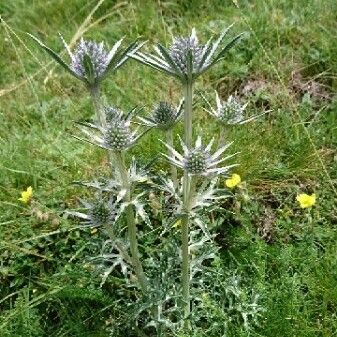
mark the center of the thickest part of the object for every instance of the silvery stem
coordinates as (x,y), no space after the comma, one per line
(100,115)
(221,136)
(130,219)
(119,246)
(188,117)
(98,106)
(174,174)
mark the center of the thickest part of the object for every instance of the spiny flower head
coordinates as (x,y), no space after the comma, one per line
(91,61)
(90,52)
(230,112)
(186,59)
(27,195)
(164,115)
(199,160)
(184,47)
(196,161)
(99,212)
(116,135)
(306,200)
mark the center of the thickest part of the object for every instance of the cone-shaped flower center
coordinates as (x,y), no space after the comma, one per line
(196,161)
(231,112)
(164,115)
(100,213)
(118,136)
(97,54)
(180,49)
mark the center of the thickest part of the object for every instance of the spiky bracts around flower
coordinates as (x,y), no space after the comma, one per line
(199,160)
(230,112)
(164,115)
(117,134)
(196,161)
(91,61)
(102,212)
(186,59)
(99,212)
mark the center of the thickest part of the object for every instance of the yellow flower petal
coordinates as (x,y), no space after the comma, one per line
(26,196)
(177,223)
(233,181)
(306,200)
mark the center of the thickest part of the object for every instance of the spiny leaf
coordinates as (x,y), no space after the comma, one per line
(54,55)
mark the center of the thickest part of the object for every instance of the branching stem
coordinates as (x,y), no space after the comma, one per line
(130,219)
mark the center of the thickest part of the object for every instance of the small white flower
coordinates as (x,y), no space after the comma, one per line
(199,160)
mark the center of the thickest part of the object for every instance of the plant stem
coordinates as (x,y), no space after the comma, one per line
(188,113)
(100,116)
(130,219)
(98,106)
(188,117)
(174,174)
(118,245)
(221,136)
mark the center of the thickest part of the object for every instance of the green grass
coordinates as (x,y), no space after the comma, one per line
(288,58)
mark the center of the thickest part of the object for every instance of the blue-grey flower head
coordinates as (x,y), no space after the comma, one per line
(230,112)
(196,161)
(163,116)
(186,59)
(90,61)
(102,212)
(199,160)
(97,54)
(117,135)
(180,49)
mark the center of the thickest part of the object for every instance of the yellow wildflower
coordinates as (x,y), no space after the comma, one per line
(94,231)
(26,196)
(177,223)
(306,200)
(233,181)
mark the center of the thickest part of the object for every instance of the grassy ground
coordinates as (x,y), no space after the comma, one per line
(287,63)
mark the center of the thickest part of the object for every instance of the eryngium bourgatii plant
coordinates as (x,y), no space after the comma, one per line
(186,59)
(120,197)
